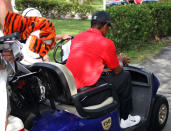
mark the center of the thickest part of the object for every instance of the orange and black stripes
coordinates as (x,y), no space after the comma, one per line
(37,46)
(26,25)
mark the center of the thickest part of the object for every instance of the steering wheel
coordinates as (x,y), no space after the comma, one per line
(58,47)
(61,51)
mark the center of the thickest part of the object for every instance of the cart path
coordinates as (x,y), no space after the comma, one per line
(160,65)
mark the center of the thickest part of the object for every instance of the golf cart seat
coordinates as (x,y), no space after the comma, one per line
(63,90)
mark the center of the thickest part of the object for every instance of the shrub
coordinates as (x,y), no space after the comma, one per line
(161,14)
(83,10)
(55,8)
(136,24)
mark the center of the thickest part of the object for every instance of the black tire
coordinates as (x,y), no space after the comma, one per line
(159,114)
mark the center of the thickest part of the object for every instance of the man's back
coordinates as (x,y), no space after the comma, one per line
(89,53)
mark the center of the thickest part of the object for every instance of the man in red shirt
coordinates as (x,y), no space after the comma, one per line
(90,52)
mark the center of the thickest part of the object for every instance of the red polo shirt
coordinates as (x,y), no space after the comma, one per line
(90,51)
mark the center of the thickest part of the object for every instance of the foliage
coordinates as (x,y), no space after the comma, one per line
(161,14)
(136,54)
(133,24)
(136,24)
(166,1)
(56,8)
(82,10)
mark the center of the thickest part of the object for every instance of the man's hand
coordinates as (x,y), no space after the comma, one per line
(8,55)
(46,58)
(63,36)
(124,59)
(124,62)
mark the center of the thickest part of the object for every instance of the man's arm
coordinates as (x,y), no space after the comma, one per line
(5,6)
(6,122)
(123,60)
(63,36)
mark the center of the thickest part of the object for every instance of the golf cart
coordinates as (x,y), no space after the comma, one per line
(45,97)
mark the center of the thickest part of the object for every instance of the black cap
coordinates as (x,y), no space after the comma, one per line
(102,16)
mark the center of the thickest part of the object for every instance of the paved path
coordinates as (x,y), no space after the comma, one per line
(160,65)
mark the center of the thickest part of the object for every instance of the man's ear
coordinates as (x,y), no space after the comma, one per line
(105,25)
(104,29)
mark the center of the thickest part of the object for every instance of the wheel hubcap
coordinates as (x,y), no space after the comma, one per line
(162,114)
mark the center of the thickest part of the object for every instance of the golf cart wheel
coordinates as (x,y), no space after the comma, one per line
(159,113)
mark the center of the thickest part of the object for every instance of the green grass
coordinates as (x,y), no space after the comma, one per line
(72,27)
(149,49)
(136,54)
